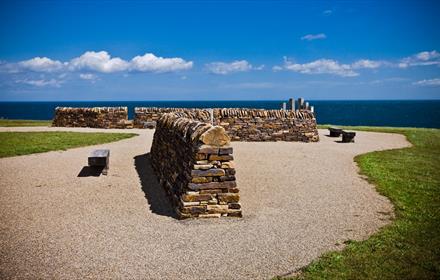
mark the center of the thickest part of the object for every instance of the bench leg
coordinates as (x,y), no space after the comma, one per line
(105,170)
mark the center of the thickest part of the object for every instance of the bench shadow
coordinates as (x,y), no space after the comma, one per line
(154,193)
(91,171)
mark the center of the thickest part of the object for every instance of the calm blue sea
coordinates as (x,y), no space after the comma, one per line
(404,113)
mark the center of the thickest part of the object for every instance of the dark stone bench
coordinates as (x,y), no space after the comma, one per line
(100,158)
(348,136)
(335,131)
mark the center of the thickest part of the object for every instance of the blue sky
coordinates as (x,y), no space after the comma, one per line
(219,50)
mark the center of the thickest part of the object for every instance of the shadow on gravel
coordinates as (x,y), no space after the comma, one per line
(91,171)
(154,193)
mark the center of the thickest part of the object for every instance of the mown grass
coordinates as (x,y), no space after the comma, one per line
(23,143)
(11,123)
(408,248)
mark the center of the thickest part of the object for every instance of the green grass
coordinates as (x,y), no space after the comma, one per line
(24,143)
(10,123)
(408,248)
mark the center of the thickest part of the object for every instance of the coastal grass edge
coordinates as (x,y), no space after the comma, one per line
(24,143)
(409,247)
(16,123)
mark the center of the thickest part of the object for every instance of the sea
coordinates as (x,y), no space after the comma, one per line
(398,113)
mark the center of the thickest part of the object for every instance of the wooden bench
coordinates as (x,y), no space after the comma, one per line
(335,131)
(100,158)
(348,136)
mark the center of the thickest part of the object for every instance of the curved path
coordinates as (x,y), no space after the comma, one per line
(299,200)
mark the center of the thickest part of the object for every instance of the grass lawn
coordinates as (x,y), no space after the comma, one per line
(10,123)
(23,143)
(409,248)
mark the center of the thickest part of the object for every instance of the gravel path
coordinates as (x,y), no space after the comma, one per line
(299,200)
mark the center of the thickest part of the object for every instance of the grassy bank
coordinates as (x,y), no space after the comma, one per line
(23,143)
(11,123)
(409,248)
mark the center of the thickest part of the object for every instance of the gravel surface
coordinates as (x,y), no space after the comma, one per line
(299,200)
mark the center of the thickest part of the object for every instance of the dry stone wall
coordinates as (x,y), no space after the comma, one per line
(146,117)
(98,117)
(268,125)
(244,124)
(194,163)
(240,124)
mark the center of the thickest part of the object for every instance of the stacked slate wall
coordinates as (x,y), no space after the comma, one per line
(98,117)
(146,117)
(268,125)
(245,124)
(193,162)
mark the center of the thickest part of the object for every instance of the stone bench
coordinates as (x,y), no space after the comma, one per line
(100,158)
(348,136)
(335,131)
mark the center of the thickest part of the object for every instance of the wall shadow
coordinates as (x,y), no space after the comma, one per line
(90,171)
(156,196)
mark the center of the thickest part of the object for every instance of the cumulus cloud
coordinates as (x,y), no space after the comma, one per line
(41,82)
(421,59)
(311,37)
(366,63)
(100,62)
(331,66)
(430,82)
(151,63)
(321,66)
(41,64)
(223,68)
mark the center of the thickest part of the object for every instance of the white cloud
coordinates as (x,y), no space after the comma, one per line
(327,12)
(151,63)
(99,62)
(251,85)
(311,37)
(388,80)
(88,76)
(366,63)
(421,59)
(331,66)
(223,68)
(277,68)
(430,82)
(425,56)
(41,82)
(41,64)
(321,66)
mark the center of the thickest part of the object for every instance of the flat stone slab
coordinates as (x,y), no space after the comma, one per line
(335,131)
(348,136)
(100,158)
